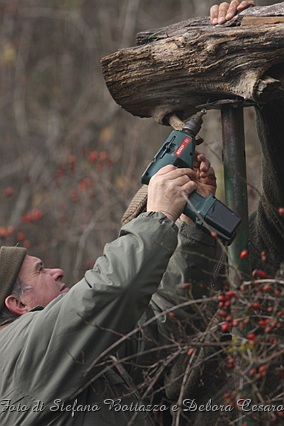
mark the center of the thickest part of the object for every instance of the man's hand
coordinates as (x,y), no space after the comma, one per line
(205,179)
(205,175)
(168,190)
(223,12)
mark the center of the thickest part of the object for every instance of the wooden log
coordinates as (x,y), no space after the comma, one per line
(192,63)
(273,14)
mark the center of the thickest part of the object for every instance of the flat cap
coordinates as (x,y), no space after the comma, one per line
(11,260)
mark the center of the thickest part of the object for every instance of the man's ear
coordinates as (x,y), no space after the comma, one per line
(15,305)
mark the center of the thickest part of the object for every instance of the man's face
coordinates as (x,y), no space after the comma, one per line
(45,284)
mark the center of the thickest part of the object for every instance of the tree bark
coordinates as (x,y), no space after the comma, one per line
(178,68)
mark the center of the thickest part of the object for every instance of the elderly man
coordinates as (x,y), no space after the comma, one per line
(55,342)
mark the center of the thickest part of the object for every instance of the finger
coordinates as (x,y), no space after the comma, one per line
(232,10)
(201,163)
(203,160)
(166,169)
(174,177)
(190,173)
(189,187)
(214,10)
(198,155)
(245,5)
(173,172)
(181,180)
(209,174)
(223,9)
(204,168)
(197,159)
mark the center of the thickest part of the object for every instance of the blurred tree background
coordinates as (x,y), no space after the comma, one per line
(70,158)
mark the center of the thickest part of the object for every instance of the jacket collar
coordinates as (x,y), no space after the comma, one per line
(8,322)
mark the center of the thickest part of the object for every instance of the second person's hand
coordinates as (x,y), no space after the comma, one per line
(220,13)
(205,179)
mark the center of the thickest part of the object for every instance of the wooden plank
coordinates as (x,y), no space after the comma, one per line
(262,20)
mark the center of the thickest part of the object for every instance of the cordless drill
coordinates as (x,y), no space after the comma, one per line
(208,213)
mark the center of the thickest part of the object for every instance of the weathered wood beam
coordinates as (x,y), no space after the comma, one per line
(272,14)
(176,68)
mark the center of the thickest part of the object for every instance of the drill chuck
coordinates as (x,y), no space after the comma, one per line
(193,125)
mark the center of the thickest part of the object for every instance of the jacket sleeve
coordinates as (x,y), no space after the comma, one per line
(266,224)
(192,264)
(76,330)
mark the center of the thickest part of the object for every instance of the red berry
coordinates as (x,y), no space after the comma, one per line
(259,273)
(231,294)
(243,254)
(226,326)
(222,313)
(36,214)
(263,370)
(267,287)
(185,286)
(263,256)
(222,298)
(230,363)
(251,336)
(21,236)
(93,156)
(9,191)
(255,305)
(3,232)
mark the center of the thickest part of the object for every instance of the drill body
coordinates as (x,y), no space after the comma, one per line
(208,213)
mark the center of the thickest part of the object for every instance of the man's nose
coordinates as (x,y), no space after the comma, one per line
(56,273)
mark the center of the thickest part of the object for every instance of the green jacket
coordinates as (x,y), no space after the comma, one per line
(55,364)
